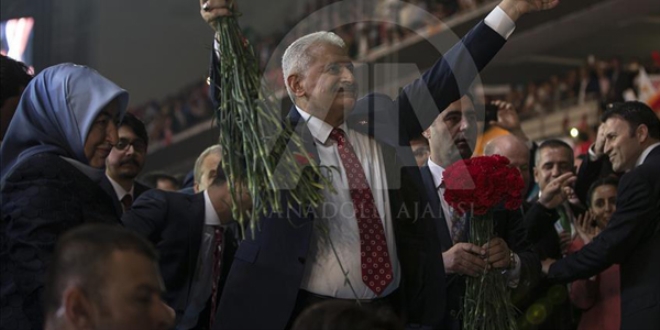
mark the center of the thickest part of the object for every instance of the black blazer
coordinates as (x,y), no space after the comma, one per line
(44,197)
(631,239)
(268,268)
(174,222)
(508,225)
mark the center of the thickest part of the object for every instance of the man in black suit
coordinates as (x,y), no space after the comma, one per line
(196,241)
(126,160)
(632,237)
(451,138)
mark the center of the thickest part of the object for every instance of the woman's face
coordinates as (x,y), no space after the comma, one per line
(102,135)
(603,204)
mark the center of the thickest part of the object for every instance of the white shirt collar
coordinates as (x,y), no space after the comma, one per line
(320,130)
(437,172)
(119,190)
(210,216)
(646,153)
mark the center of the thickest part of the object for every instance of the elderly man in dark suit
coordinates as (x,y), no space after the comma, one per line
(196,239)
(632,237)
(365,241)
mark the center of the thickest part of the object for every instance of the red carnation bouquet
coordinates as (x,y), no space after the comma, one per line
(474,187)
(478,184)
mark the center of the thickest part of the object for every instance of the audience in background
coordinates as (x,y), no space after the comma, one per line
(598,297)
(13,80)
(162,181)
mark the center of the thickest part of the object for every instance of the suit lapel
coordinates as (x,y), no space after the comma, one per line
(300,127)
(107,187)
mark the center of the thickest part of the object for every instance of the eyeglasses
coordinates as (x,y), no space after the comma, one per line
(138,145)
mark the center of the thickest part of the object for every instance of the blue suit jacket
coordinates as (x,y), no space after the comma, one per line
(266,275)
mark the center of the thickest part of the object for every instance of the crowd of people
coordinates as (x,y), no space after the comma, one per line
(86,246)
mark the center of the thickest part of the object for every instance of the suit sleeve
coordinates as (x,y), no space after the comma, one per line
(632,221)
(530,266)
(448,79)
(588,173)
(537,221)
(148,214)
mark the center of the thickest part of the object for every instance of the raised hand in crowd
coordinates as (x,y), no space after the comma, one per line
(211,10)
(517,8)
(599,145)
(584,224)
(464,259)
(507,118)
(557,191)
(498,253)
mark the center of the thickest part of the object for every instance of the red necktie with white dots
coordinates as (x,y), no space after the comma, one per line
(376,265)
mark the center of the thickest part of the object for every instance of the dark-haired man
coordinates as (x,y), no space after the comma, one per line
(105,277)
(196,239)
(126,160)
(632,237)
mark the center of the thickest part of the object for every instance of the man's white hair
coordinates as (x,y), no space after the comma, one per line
(215,149)
(296,58)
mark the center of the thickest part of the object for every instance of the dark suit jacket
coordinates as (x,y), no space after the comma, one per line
(631,239)
(139,189)
(590,171)
(268,268)
(174,222)
(44,197)
(508,225)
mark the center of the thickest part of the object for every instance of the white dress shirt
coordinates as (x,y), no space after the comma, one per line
(323,273)
(120,191)
(436,172)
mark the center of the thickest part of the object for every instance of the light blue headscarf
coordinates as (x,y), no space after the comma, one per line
(55,114)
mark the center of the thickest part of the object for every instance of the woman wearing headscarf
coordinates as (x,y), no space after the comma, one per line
(52,163)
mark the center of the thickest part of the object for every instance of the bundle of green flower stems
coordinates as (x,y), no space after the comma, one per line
(262,154)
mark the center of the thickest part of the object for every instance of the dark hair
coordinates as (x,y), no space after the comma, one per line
(136,125)
(553,144)
(606,181)
(635,113)
(151,179)
(14,75)
(336,314)
(82,254)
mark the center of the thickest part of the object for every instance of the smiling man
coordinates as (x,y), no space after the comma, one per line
(126,160)
(632,237)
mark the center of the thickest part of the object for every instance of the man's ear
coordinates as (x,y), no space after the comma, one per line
(294,83)
(78,309)
(427,133)
(642,133)
(536,174)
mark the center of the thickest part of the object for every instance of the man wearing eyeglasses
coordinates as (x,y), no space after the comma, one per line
(126,161)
